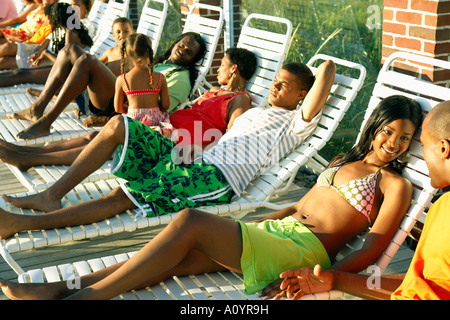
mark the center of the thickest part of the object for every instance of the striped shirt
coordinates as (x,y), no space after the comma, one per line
(258,140)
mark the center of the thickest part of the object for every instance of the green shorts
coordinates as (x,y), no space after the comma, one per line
(274,246)
(156,184)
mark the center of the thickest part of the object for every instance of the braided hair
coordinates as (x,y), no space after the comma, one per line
(137,47)
(59,17)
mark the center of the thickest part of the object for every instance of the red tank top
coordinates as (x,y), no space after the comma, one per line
(206,121)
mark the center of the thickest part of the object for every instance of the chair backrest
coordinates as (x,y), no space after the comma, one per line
(151,22)
(210,26)
(97,11)
(393,81)
(104,39)
(268,37)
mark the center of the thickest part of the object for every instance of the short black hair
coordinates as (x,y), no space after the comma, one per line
(302,72)
(123,20)
(244,59)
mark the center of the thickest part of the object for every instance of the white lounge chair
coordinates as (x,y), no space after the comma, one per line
(97,11)
(389,82)
(256,40)
(266,36)
(103,39)
(67,126)
(256,195)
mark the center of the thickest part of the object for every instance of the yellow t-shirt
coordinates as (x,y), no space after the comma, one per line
(428,277)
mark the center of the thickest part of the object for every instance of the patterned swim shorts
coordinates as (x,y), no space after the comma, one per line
(156,183)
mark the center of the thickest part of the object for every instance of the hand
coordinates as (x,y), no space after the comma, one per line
(273,291)
(299,282)
(37,61)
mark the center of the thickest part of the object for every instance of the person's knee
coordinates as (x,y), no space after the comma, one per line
(85,61)
(119,200)
(188,217)
(115,127)
(73,51)
(90,136)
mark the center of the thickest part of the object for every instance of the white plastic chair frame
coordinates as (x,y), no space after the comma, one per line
(343,92)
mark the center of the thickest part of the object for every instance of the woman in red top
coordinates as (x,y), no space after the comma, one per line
(215,111)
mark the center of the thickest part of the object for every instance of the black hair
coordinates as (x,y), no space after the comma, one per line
(303,74)
(138,47)
(122,20)
(59,17)
(193,72)
(389,109)
(244,59)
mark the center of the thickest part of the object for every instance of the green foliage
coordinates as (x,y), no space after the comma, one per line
(337,28)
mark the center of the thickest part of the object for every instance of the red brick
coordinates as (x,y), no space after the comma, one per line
(431,20)
(402,4)
(408,43)
(394,28)
(442,75)
(443,20)
(424,5)
(387,40)
(387,51)
(423,33)
(388,14)
(437,48)
(443,7)
(409,17)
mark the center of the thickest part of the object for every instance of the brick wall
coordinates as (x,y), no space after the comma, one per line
(133,13)
(421,27)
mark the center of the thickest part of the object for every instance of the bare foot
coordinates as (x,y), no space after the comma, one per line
(95,121)
(39,201)
(36,130)
(27,114)
(33,92)
(17,159)
(32,291)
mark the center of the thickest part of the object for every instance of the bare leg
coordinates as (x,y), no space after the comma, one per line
(8,55)
(195,242)
(87,72)
(84,213)
(8,62)
(56,78)
(216,237)
(18,76)
(59,153)
(90,159)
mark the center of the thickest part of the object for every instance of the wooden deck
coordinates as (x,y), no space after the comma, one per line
(129,241)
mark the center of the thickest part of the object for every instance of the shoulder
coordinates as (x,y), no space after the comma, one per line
(393,183)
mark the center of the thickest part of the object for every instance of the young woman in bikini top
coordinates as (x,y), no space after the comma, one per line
(362,191)
(145,90)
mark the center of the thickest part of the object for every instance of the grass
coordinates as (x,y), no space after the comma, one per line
(337,28)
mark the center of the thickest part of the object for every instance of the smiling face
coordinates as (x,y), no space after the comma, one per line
(393,140)
(184,51)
